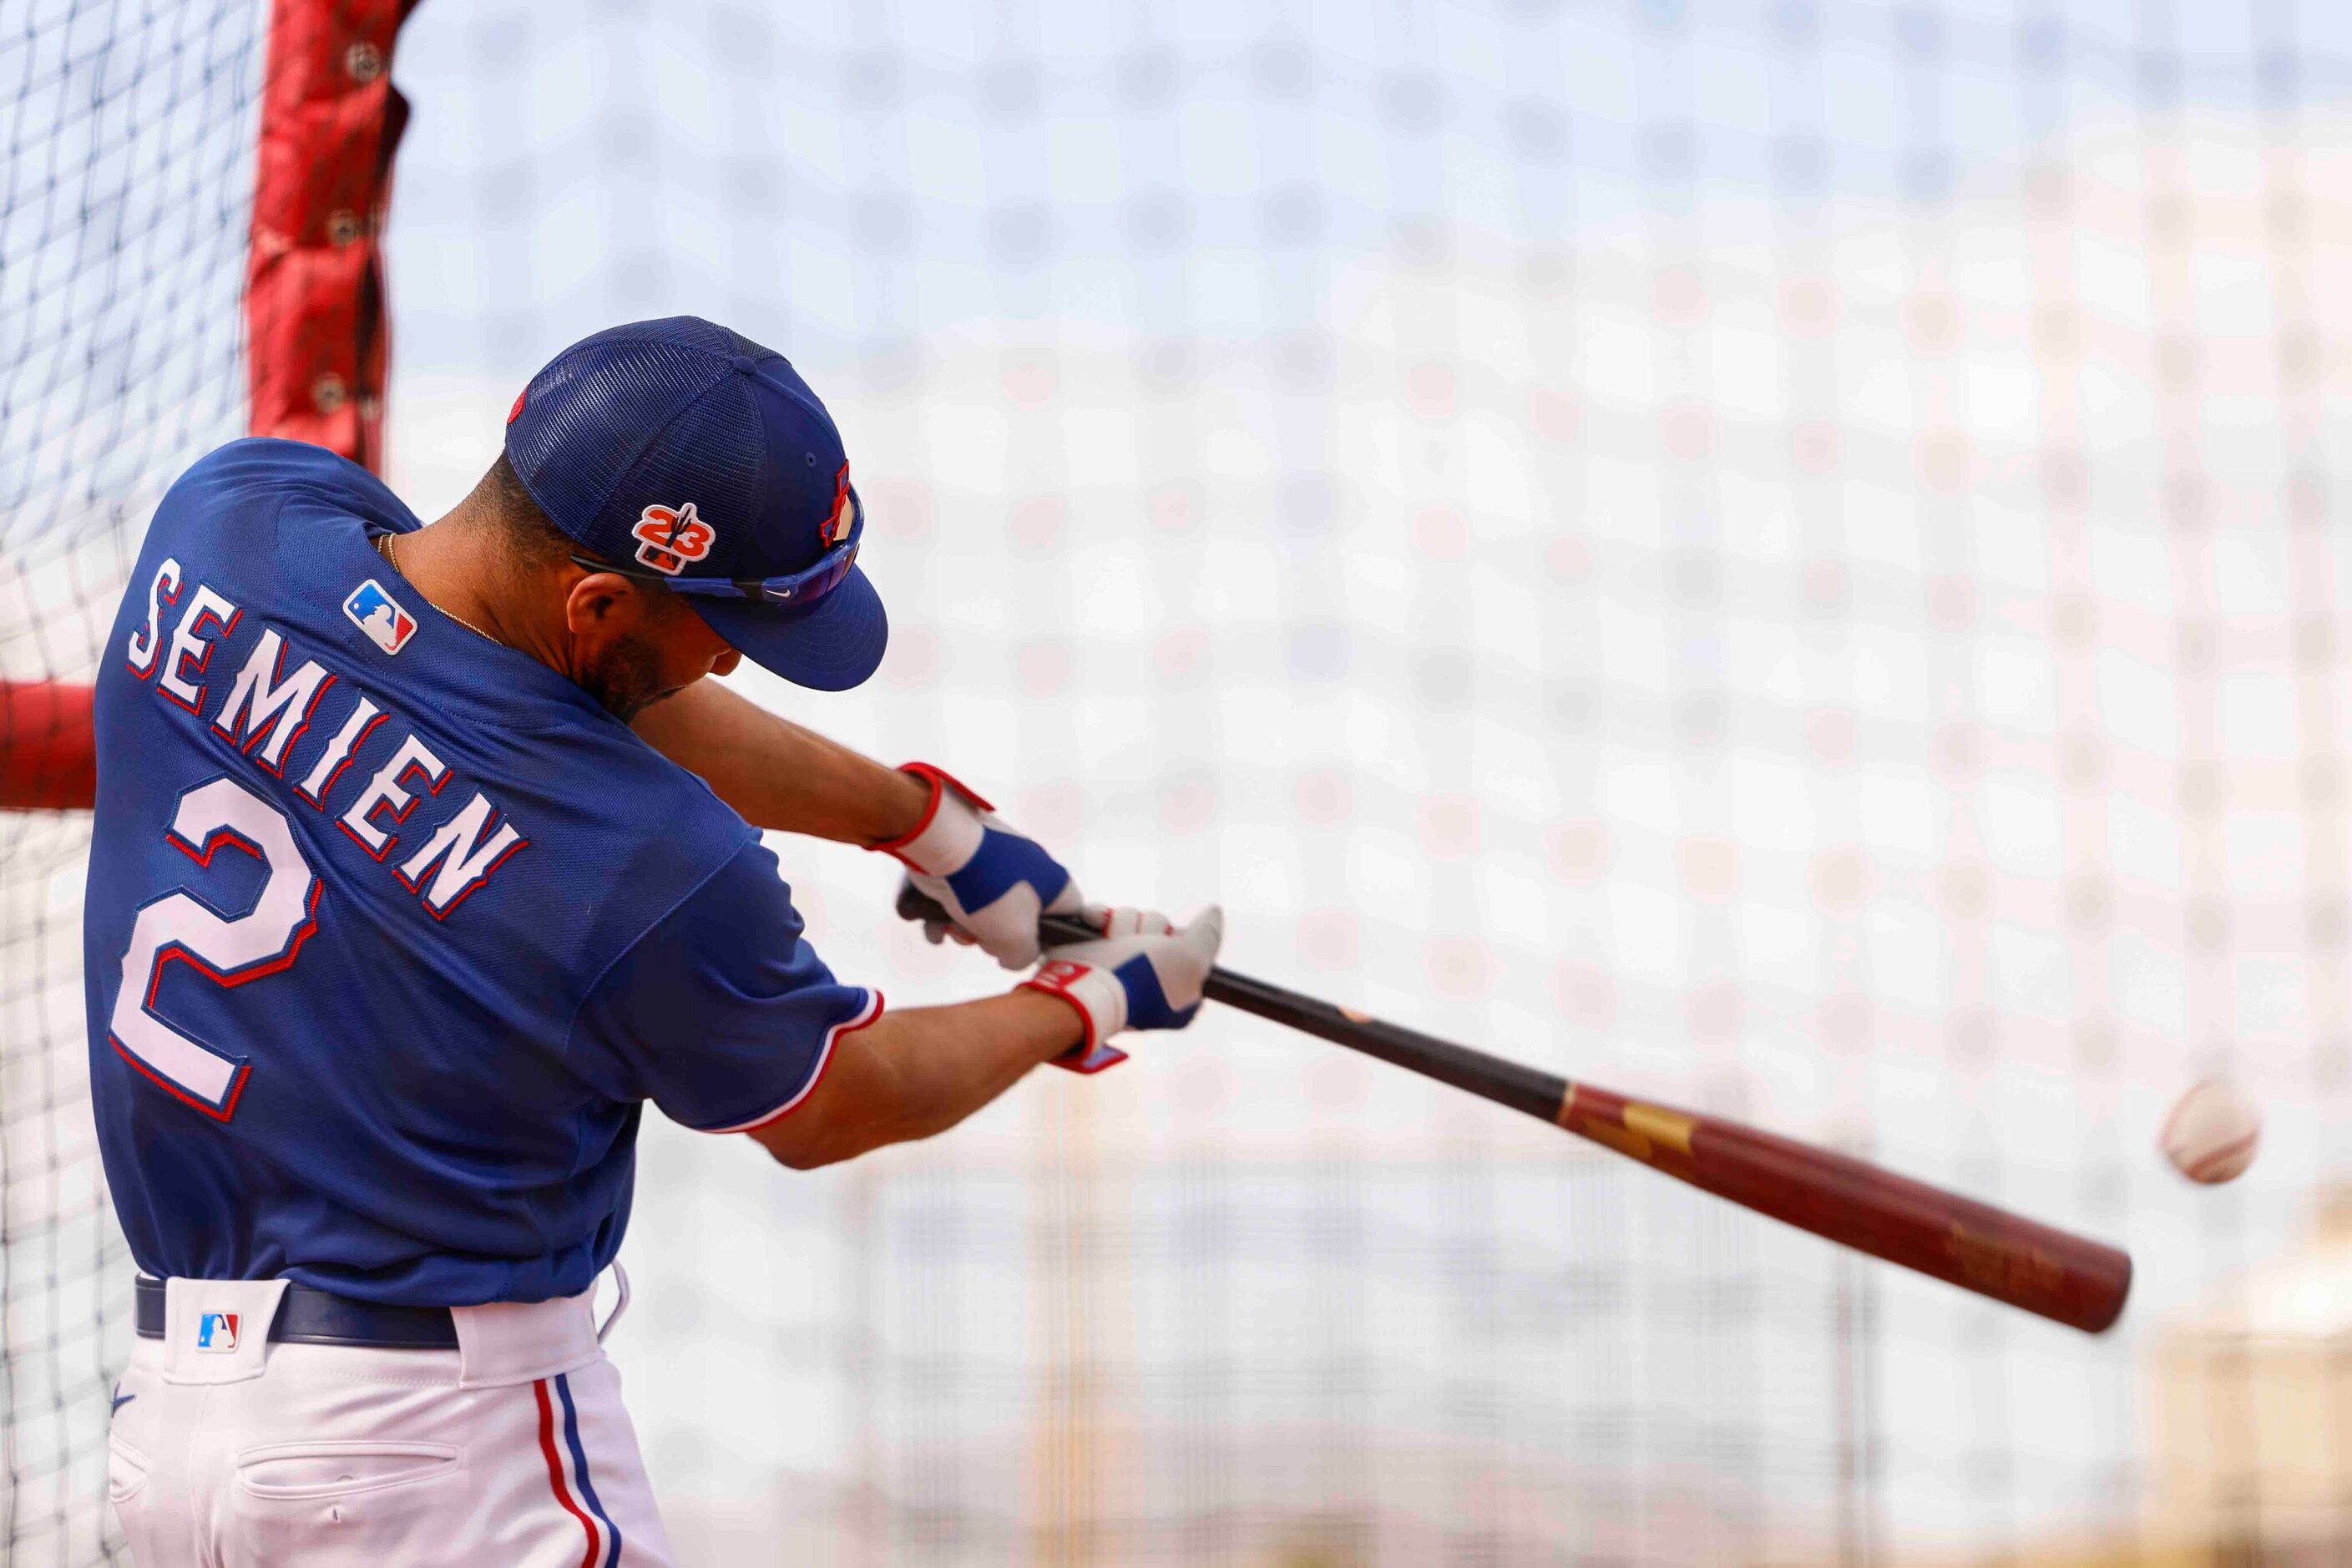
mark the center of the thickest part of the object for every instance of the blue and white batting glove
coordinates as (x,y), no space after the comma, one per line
(1142,974)
(992,879)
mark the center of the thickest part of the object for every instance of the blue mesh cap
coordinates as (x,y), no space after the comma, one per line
(629,438)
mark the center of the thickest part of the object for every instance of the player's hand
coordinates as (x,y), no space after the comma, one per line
(1142,973)
(992,879)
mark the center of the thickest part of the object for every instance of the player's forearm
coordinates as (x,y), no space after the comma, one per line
(915,1074)
(777,774)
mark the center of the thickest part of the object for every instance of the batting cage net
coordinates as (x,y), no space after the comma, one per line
(190,197)
(128,171)
(1784,557)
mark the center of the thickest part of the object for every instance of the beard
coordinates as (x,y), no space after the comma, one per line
(626,679)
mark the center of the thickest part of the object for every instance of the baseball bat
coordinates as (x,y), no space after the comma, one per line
(2036,1267)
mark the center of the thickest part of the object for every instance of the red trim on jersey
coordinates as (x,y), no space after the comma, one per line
(480,881)
(328,788)
(220,1112)
(256,733)
(865,1019)
(229,979)
(400,815)
(172,656)
(153,626)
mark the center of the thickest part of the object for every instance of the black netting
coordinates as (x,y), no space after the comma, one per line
(1781,553)
(1774,554)
(126,177)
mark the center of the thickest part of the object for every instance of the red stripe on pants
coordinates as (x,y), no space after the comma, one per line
(555,1472)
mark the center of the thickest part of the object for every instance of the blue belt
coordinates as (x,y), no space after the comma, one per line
(306,1316)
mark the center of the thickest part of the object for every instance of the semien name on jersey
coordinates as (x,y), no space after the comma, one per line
(266,711)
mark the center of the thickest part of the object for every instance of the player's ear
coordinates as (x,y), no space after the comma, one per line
(602,602)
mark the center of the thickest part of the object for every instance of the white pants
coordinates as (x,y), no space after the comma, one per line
(512,1449)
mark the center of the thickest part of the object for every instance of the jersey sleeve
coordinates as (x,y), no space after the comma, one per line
(720,1014)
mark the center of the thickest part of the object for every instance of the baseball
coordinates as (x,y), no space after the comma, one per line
(2212,1133)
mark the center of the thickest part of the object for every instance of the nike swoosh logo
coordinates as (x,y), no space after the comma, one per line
(121,1400)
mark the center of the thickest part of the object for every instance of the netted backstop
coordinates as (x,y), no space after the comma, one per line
(1783,556)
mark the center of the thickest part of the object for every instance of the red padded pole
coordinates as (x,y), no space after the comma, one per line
(48,761)
(314,300)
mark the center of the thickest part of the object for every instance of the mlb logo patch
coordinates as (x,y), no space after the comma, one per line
(217,1331)
(379,614)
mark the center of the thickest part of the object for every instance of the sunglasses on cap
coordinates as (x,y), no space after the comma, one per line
(805,586)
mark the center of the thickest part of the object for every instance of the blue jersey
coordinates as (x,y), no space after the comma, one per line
(392,930)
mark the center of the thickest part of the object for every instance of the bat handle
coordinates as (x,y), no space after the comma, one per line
(1052,931)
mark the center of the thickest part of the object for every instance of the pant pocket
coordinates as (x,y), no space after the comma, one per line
(126,1471)
(126,1489)
(306,1472)
(365,1500)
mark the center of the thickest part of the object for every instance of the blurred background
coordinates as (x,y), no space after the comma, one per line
(1784,557)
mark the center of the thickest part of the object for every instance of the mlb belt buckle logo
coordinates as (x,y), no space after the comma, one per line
(379,614)
(217,1331)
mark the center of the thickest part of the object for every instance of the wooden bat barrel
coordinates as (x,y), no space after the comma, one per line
(2034,1267)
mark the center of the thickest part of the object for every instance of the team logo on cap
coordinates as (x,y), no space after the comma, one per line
(845,512)
(669,538)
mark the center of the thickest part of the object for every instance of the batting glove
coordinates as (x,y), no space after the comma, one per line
(991,879)
(1142,974)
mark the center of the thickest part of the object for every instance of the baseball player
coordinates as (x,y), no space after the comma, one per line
(423,858)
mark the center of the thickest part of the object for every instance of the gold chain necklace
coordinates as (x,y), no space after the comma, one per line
(384,548)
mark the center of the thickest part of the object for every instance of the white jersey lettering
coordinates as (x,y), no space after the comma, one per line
(228,952)
(465,857)
(260,700)
(331,762)
(411,756)
(162,589)
(192,640)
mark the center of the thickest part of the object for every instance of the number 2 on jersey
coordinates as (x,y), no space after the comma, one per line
(228,951)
